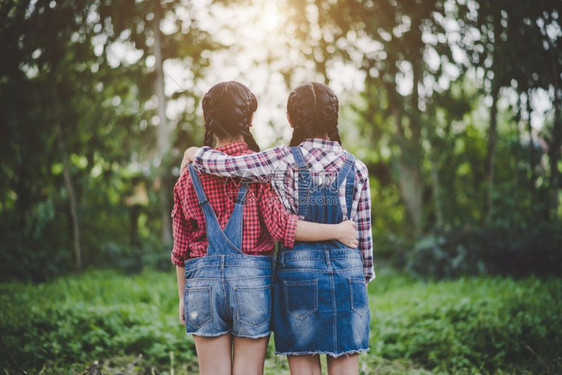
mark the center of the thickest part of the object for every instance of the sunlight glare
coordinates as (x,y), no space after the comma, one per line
(270,17)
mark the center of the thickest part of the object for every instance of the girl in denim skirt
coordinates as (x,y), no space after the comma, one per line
(320,297)
(224,233)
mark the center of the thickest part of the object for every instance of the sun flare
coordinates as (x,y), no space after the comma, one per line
(269,17)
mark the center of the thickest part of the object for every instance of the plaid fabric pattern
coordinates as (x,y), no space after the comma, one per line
(265,218)
(277,166)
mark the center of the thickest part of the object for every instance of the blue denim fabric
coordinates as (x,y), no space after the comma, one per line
(227,291)
(320,303)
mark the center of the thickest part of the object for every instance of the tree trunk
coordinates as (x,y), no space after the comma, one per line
(532,158)
(436,187)
(517,154)
(163,137)
(554,156)
(409,180)
(492,136)
(410,185)
(556,139)
(134,215)
(67,180)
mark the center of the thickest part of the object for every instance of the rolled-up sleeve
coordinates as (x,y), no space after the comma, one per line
(363,221)
(182,230)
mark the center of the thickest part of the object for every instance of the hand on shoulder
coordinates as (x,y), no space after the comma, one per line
(188,157)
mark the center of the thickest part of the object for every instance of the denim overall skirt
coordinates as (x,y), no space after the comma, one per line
(320,299)
(226,290)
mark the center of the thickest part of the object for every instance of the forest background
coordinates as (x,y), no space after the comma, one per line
(454,106)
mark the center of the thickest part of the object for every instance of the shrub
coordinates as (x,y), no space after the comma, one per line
(491,250)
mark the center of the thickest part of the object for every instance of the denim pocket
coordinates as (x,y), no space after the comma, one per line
(253,304)
(198,306)
(301,297)
(358,296)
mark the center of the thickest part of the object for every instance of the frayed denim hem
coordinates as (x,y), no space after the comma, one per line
(252,337)
(228,332)
(208,334)
(331,354)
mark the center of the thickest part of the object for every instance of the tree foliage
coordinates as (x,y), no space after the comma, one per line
(457,115)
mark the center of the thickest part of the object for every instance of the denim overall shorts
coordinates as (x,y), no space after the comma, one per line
(226,290)
(320,299)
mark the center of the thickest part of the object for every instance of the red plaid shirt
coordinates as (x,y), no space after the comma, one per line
(265,218)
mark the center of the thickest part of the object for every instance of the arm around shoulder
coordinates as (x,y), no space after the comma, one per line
(257,167)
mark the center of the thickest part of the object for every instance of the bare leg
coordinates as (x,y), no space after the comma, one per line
(213,354)
(343,365)
(304,364)
(249,355)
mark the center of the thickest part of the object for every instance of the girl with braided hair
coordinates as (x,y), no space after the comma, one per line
(224,232)
(228,110)
(320,301)
(312,111)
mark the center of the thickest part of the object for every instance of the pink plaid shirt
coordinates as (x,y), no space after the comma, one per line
(277,166)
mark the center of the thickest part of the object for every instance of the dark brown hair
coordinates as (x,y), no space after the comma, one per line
(313,109)
(227,109)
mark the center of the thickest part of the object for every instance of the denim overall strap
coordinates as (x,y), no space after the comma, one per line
(343,172)
(304,180)
(218,241)
(317,202)
(233,229)
(347,174)
(201,197)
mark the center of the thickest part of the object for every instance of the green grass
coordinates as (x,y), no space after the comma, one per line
(106,319)
(488,325)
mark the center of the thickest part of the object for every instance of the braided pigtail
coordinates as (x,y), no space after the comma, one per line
(294,112)
(250,107)
(329,113)
(250,141)
(208,139)
(297,137)
(334,135)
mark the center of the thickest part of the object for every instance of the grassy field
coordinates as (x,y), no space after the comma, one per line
(106,322)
